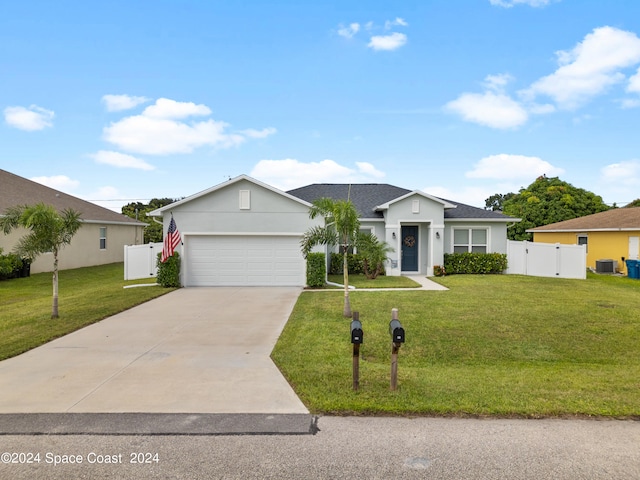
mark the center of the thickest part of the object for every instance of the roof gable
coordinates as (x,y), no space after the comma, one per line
(614,219)
(16,190)
(444,203)
(160,211)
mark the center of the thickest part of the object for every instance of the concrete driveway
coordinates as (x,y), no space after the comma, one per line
(195,350)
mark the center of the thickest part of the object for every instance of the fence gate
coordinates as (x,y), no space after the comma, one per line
(140,260)
(547,259)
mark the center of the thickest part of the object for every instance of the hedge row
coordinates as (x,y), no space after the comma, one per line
(475,263)
(354,263)
(169,271)
(316,267)
(12,266)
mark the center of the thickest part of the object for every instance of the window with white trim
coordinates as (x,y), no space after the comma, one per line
(472,240)
(103,238)
(584,240)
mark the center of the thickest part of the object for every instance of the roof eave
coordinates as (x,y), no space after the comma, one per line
(579,230)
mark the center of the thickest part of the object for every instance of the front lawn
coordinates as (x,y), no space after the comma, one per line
(383,281)
(86,295)
(501,345)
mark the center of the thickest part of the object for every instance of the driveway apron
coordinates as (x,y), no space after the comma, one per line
(194,350)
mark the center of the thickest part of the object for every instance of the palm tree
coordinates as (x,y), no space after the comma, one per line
(49,230)
(374,254)
(341,228)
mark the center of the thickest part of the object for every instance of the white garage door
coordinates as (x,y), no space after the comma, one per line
(244,260)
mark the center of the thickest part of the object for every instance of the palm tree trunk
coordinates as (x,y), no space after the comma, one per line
(345,270)
(54,310)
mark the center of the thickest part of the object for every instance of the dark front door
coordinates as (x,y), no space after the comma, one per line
(409,249)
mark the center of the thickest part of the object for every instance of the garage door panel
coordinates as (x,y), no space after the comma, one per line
(244,260)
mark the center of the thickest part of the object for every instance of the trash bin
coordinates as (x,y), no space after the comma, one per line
(633,269)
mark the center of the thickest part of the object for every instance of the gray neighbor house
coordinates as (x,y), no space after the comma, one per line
(100,240)
(245,232)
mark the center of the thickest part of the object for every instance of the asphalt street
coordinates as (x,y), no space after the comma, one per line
(345,448)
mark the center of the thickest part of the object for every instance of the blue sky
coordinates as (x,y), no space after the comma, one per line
(121,101)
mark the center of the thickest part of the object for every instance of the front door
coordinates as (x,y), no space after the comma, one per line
(409,249)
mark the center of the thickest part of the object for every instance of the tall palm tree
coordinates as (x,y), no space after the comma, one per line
(49,231)
(341,228)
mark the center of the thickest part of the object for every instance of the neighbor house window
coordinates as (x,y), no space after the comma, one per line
(473,240)
(584,240)
(103,238)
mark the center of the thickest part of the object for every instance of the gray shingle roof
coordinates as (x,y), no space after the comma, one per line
(367,196)
(16,190)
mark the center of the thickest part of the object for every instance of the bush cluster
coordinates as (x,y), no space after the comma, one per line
(169,271)
(354,263)
(316,268)
(475,263)
(12,266)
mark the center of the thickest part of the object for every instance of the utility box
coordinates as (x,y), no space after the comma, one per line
(606,265)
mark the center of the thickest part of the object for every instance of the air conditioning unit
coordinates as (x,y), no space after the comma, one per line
(606,265)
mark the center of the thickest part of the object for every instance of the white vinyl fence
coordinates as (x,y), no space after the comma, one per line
(547,259)
(140,260)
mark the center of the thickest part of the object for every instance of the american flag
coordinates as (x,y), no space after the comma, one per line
(171,241)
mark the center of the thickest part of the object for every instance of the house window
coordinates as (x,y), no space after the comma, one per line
(584,240)
(245,199)
(472,240)
(103,238)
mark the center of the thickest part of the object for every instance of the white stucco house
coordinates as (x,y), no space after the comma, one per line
(245,232)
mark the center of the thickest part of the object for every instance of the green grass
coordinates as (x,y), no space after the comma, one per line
(360,281)
(500,345)
(86,295)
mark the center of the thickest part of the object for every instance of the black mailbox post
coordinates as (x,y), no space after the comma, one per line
(397,339)
(396,331)
(357,337)
(356,332)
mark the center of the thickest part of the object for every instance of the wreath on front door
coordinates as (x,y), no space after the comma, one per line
(409,241)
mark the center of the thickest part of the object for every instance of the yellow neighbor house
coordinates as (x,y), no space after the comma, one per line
(611,235)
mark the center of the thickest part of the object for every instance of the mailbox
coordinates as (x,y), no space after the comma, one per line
(356,332)
(396,331)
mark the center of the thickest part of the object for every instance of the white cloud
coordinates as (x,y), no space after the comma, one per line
(392,41)
(634,83)
(348,31)
(626,172)
(590,68)
(108,197)
(630,103)
(367,168)
(290,173)
(162,130)
(497,83)
(510,167)
(29,119)
(116,103)
(493,110)
(264,133)
(398,22)
(58,182)
(511,3)
(167,108)
(121,160)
